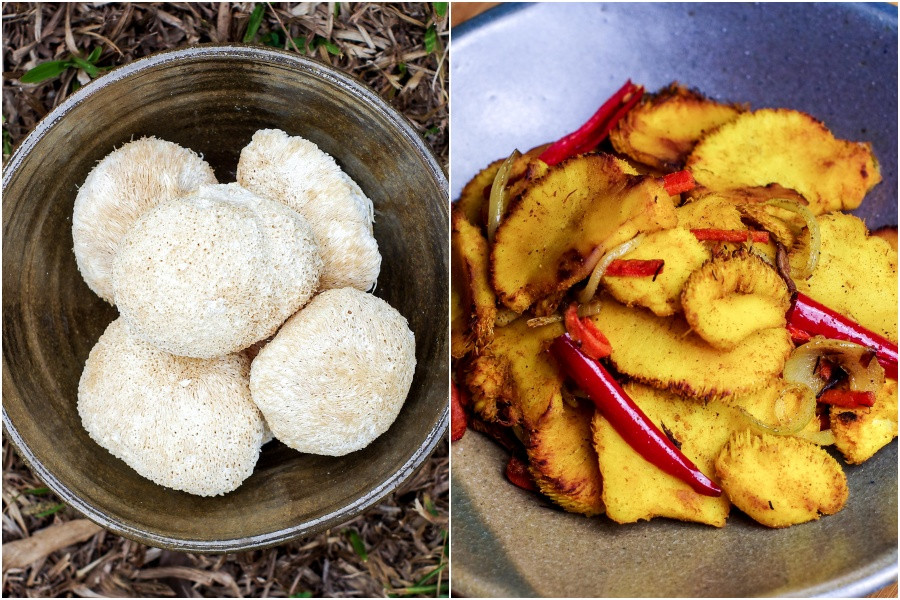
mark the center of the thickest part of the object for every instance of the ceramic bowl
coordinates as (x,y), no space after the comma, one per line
(212,100)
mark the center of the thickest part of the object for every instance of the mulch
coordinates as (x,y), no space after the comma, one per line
(399,547)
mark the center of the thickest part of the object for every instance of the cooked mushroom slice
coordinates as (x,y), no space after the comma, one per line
(562,459)
(634,489)
(184,423)
(473,199)
(861,432)
(789,148)
(337,373)
(471,277)
(123,186)
(295,172)
(780,480)
(682,253)
(214,272)
(557,230)
(856,274)
(710,211)
(732,296)
(662,130)
(664,353)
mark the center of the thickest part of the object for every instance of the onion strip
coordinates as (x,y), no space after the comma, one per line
(593,283)
(788,426)
(800,367)
(584,310)
(815,235)
(499,194)
(822,438)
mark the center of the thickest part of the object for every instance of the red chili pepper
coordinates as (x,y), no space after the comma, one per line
(634,267)
(847,398)
(458,419)
(590,339)
(586,137)
(627,418)
(678,182)
(798,335)
(730,235)
(824,369)
(517,472)
(816,319)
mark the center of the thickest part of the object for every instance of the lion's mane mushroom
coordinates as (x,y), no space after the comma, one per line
(184,423)
(337,373)
(295,172)
(212,273)
(123,186)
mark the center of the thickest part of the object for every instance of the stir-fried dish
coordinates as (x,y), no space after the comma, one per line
(668,312)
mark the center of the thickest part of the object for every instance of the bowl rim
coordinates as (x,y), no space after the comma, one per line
(316,70)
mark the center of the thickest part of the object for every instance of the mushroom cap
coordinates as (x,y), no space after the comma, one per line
(295,172)
(212,273)
(337,373)
(184,423)
(123,186)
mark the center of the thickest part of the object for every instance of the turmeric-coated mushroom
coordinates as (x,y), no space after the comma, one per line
(337,373)
(214,272)
(123,186)
(295,172)
(184,423)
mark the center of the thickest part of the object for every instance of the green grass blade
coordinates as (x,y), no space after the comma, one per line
(95,55)
(45,71)
(50,511)
(37,491)
(88,67)
(253,24)
(358,546)
(440,8)
(430,39)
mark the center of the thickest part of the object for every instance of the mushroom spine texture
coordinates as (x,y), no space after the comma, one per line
(336,375)
(119,189)
(184,423)
(212,273)
(295,172)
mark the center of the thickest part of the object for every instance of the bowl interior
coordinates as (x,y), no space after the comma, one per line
(212,100)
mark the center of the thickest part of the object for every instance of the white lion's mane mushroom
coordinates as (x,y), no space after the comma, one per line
(337,373)
(184,423)
(295,172)
(119,189)
(212,273)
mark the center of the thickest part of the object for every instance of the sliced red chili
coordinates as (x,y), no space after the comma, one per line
(678,182)
(517,472)
(458,418)
(586,335)
(808,315)
(635,267)
(798,335)
(848,398)
(595,130)
(730,235)
(627,418)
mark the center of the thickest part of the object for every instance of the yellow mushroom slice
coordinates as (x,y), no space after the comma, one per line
(473,199)
(634,489)
(856,274)
(732,296)
(682,253)
(788,148)
(514,380)
(711,211)
(861,432)
(556,231)
(780,481)
(661,131)
(562,459)
(665,353)
(471,278)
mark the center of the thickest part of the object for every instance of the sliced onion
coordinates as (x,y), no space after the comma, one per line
(822,438)
(588,309)
(497,202)
(597,274)
(790,422)
(864,371)
(815,235)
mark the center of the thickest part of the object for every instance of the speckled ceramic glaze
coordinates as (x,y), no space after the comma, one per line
(212,100)
(526,74)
